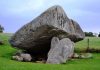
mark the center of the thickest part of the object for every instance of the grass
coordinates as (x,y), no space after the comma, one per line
(6,51)
(82,64)
(94,42)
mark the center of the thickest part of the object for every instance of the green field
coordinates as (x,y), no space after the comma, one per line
(94,42)
(6,51)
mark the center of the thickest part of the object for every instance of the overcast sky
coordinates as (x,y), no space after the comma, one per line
(15,13)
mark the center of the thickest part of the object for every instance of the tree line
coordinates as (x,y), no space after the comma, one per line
(1,29)
(91,34)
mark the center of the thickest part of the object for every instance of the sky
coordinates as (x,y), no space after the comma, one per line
(16,13)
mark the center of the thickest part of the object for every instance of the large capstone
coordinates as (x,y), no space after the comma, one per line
(35,37)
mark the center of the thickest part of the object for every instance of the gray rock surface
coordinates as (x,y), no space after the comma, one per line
(18,58)
(36,36)
(26,57)
(75,55)
(86,55)
(76,34)
(61,50)
(22,57)
(82,55)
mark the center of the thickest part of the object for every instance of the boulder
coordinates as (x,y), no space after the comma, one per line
(82,55)
(22,57)
(75,55)
(35,36)
(86,55)
(60,51)
(26,57)
(18,58)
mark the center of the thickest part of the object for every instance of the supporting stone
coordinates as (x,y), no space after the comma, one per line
(61,50)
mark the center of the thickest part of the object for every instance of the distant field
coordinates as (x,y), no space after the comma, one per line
(6,51)
(94,42)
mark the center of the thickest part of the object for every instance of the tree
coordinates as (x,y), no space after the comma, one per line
(1,29)
(90,34)
(99,34)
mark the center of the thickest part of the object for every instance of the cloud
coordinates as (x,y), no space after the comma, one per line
(24,6)
(86,12)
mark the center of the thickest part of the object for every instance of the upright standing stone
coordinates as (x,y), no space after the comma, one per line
(61,50)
